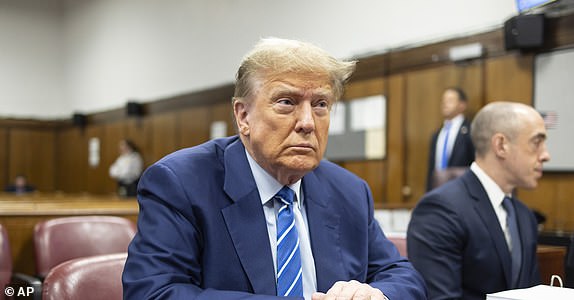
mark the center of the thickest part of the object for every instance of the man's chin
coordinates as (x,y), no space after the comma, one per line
(302,165)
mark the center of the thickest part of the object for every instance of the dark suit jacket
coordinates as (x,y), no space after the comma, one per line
(455,240)
(202,231)
(14,189)
(462,151)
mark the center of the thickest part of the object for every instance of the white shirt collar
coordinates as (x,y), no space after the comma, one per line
(494,192)
(267,185)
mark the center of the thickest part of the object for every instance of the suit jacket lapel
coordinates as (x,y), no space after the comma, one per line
(462,131)
(324,233)
(245,221)
(484,209)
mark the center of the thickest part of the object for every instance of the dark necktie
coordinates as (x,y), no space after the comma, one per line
(515,245)
(289,272)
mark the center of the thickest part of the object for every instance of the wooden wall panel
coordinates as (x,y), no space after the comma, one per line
(364,88)
(4,158)
(372,172)
(136,131)
(553,198)
(223,111)
(509,78)
(140,132)
(424,90)
(98,175)
(164,135)
(32,153)
(71,160)
(395,172)
(194,126)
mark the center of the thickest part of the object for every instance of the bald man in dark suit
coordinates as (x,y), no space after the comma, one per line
(470,237)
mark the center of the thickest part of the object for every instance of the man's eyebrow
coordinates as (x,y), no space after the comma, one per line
(539,136)
(286,91)
(293,91)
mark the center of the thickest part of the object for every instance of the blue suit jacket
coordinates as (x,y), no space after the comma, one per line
(462,151)
(202,231)
(455,240)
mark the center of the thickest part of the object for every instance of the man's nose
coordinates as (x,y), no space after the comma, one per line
(305,118)
(545,155)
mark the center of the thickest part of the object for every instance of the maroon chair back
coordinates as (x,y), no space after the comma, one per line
(400,243)
(96,277)
(5,258)
(62,239)
(440,177)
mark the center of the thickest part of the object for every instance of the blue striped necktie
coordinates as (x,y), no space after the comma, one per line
(289,272)
(515,245)
(444,156)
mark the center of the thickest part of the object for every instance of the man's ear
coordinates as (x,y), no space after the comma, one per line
(240,111)
(499,144)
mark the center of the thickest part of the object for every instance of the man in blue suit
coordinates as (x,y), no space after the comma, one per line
(451,146)
(469,237)
(261,215)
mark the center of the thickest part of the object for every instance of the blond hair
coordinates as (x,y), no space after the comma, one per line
(274,56)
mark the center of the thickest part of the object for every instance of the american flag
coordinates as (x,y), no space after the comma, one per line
(550,119)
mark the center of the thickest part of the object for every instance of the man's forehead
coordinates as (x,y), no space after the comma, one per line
(299,85)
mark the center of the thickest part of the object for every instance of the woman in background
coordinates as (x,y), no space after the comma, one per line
(127,168)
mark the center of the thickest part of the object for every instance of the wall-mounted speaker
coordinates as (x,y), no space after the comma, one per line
(524,32)
(79,120)
(134,109)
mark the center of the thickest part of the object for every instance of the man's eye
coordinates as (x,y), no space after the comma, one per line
(285,101)
(322,104)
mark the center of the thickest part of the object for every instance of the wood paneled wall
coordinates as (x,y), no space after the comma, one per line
(155,135)
(30,151)
(412,81)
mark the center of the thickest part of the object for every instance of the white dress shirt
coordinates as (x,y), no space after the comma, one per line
(127,168)
(268,187)
(496,196)
(455,125)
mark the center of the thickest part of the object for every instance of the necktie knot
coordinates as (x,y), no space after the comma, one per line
(286,195)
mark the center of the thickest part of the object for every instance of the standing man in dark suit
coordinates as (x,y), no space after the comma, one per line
(451,145)
(470,237)
(261,215)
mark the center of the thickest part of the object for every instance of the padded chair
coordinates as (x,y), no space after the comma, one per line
(62,239)
(440,177)
(5,257)
(569,265)
(96,277)
(6,273)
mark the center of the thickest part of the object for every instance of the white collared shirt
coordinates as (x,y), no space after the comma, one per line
(455,125)
(268,187)
(496,196)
